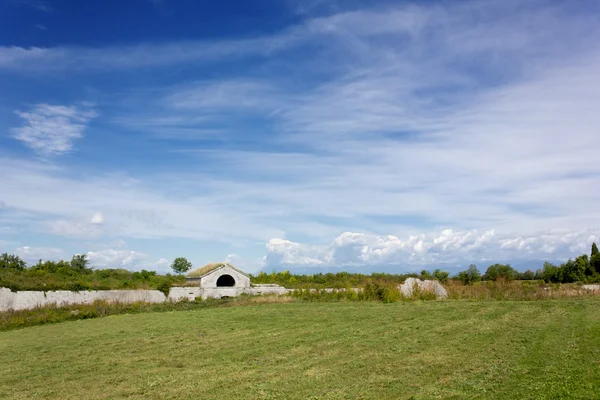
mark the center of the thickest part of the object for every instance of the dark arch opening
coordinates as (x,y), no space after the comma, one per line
(225,280)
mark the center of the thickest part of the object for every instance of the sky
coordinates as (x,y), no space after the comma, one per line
(304,135)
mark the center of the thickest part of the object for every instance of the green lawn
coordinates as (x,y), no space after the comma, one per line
(361,350)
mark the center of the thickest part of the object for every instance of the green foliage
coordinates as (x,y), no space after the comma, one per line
(575,270)
(552,273)
(594,249)
(59,275)
(12,261)
(500,271)
(441,276)
(528,275)
(438,274)
(338,280)
(181,265)
(581,269)
(595,263)
(80,262)
(470,276)
(372,291)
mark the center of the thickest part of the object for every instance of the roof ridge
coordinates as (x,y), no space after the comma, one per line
(211,267)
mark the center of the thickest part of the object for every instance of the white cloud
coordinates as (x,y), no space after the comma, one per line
(51,129)
(38,5)
(32,254)
(97,218)
(470,27)
(282,252)
(236,260)
(75,228)
(127,259)
(471,116)
(446,247)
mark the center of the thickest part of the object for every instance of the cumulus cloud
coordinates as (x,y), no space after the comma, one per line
(51,129)
(281,252)
(445,247)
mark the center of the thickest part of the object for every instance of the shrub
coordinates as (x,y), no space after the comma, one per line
(12,261)
(470,276)
(164,287)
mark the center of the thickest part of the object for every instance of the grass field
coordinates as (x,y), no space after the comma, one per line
(548,349)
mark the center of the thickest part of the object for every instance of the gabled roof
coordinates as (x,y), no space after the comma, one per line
(208,268)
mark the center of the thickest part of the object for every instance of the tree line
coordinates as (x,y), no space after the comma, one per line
(581,269)
(77,274)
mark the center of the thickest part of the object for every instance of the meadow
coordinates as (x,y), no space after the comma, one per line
(545,349)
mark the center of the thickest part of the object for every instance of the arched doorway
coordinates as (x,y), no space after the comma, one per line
(225,281)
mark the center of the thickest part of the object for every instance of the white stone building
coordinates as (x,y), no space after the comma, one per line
(220,280)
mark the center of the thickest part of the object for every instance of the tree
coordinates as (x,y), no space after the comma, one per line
(12,261)
(575,270)
(528,275)
(500,271)
(594,249)
(441,276)
(552,273)
(595,262)
(425,274)
(469,276)
(181,265)
(80,262)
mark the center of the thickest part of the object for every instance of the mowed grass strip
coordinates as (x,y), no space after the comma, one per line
(360,350)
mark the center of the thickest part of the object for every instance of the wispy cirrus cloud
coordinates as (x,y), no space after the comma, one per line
(51,129)
(426,133)
(470,28)
(38,5)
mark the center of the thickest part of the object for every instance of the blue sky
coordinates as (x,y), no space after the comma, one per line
(307,135)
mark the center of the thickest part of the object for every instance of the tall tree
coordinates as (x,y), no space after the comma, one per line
(181,265)
(595,259)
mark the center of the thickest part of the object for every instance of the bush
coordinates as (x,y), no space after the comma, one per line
(470,276)
(500,271)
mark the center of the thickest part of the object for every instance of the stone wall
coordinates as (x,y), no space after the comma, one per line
(30,299)
(24,300)
(190,293)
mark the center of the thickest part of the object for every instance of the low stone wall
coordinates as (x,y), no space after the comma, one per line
(190,293)
(180,293)
(24,300)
